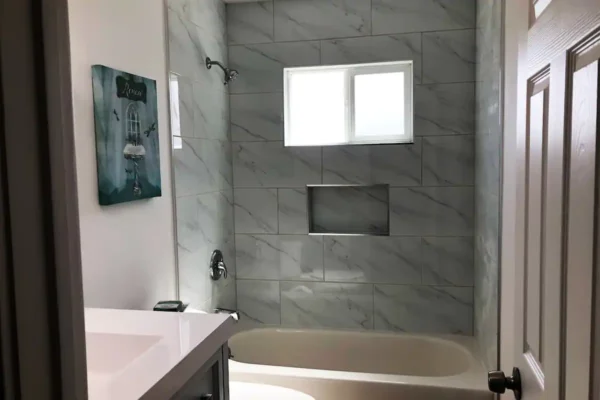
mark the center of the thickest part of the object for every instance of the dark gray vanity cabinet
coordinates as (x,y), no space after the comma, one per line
(211,382)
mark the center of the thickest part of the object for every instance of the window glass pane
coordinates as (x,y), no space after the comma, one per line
(316,108)
(379,105)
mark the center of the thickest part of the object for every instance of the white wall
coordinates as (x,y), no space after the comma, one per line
(128,250)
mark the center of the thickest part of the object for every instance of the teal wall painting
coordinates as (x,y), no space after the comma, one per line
(126,124)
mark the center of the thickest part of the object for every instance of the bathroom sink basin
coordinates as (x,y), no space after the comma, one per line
(110,353)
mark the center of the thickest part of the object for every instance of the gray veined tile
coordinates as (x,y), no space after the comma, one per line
(315,19)
(255,210)
(215,217)
(292,209)
(374,49)
(270,164)
(250,22)
(373,259)
(258,302)
(207,13)
(256,117)
(393,16)
(445,109)
(396,165)
(448,160)
(211,111)
(202,166)
(190,44)
(448,261)
(449,56)
(327,305)
(204,223)
(279,257)
(261,65)
(432,211)
(424,309)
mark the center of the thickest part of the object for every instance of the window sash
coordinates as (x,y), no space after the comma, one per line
(350,72)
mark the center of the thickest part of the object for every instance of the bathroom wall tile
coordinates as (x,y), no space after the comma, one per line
(396,165)
(215,217)
(449,56)
(261,65)
(316,19)
(190,44)
(182,115)
(392,16)
(446,109)
(357,209)
(424,309)
(448,261)
(222,295)
(209,14)
(292,209)
(434,211)
(189,231)
(204,223)
(211,111)
(255,210)
(270,164)
(250,22)
(279,257)
(374,49)
(202,166)
(448,160)
(373,259)
(327,305)
(256,117)
(258,302)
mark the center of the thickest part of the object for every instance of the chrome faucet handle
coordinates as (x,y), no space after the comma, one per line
(217,266)
(223,268)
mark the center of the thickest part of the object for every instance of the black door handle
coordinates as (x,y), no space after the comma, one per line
(498,382)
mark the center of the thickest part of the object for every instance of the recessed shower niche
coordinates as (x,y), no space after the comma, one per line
(349,210)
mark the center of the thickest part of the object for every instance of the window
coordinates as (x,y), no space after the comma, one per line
(133,124)
(349,104)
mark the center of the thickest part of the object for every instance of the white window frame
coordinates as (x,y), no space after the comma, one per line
(351,71)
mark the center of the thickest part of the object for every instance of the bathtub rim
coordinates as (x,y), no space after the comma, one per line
(474,378)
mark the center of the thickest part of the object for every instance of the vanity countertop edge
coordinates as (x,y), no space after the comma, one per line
(144,354)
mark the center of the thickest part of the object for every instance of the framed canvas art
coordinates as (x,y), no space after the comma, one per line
(126,124)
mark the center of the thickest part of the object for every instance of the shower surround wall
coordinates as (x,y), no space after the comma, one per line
(202,155)
(419,279)
(488,153)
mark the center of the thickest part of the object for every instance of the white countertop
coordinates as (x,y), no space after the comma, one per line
(132,353)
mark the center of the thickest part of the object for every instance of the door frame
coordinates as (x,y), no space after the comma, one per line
(42,328)
(514,40)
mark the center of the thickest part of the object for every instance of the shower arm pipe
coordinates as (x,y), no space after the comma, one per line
(210,63)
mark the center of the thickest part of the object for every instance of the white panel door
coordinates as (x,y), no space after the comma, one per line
(549,199)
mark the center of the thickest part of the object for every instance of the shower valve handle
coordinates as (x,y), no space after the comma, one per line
(217,266)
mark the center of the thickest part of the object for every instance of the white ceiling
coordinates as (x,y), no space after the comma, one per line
(241,1)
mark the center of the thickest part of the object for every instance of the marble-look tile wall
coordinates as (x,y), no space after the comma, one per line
(419,279)
(202,154)
(488,156)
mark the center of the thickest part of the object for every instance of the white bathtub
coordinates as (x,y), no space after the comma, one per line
(339,365)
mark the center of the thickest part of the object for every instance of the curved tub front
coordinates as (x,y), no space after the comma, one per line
(339,365)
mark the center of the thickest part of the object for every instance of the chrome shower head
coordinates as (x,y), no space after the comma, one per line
(230,74)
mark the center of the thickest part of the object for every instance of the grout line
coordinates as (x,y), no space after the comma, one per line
(344,37)
(416,84)
(337,282)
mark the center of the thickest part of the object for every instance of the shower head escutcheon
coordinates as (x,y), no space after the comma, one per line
(230,74)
